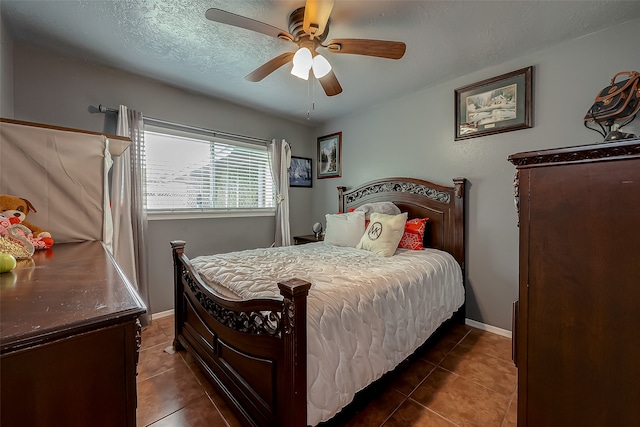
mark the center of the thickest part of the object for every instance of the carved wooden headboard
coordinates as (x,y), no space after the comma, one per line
(444,206)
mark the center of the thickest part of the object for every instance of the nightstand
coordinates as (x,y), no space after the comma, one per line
(308,238)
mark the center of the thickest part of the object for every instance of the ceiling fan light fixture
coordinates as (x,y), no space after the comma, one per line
(300,72)
(308,29)
(302,62)
(321,66)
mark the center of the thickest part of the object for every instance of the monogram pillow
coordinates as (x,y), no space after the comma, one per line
(383,233)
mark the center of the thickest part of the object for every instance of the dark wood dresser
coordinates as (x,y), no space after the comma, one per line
(69,336)
(576,332)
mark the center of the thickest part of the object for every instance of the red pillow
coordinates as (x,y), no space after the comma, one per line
(413,236)
(350,210)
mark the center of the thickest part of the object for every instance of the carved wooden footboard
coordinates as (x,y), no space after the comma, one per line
(254,352)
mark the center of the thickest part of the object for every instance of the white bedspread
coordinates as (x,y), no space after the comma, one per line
(366,313)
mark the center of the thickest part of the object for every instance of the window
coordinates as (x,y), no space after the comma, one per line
(197,172)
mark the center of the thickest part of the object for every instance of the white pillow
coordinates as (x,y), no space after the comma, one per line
(381,207)
(344,229)
(383,233)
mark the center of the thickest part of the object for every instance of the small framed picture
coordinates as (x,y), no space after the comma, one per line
(499,104)
(330,156)
(300,173)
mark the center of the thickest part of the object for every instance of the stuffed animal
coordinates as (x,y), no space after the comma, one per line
(10,230)
(14,240)
(16,210)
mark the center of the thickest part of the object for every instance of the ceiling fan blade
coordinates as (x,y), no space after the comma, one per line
(218,15)
(316,16)
(269,67)
(377,48)
(330,84)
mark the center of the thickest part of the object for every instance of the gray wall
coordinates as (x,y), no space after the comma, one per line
(61,91)
(6,72)
(414,136)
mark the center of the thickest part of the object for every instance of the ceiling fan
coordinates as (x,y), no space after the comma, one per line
(308,29)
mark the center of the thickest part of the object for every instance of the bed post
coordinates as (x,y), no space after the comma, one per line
(177,249)
(292,403)
(458,239)
(341,191)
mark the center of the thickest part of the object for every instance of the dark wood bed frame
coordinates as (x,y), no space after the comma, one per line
(255,351)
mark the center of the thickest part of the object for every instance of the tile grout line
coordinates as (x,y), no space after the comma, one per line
(438,365)
(435,412)
(469,379)
(466,379)
(478,384)
(189,369)
(215,406)
(179,409)
(395,410)
(206,392)
(513,396)
(155,345)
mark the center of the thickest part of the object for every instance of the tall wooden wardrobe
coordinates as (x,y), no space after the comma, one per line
(577,321)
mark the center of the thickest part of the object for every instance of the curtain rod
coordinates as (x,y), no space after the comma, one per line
(251,139)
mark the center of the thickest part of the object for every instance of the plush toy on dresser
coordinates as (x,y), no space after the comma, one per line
(15,209)
(13,241)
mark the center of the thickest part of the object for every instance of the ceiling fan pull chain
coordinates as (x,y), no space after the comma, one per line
(313,95)
(308,111)
(309,98)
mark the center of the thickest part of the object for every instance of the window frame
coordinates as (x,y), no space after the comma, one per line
(185,131)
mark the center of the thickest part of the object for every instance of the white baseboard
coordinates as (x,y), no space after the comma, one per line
(162,314)
(488,328)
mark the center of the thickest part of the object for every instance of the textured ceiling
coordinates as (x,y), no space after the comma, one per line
(172,41)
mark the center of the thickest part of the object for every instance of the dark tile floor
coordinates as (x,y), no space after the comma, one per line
(465,378)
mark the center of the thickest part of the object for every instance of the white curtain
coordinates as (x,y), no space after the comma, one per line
(280,158)
(127,206)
